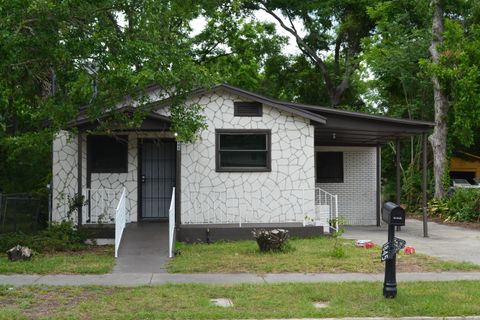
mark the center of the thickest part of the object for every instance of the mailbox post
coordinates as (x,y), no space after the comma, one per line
(394,216)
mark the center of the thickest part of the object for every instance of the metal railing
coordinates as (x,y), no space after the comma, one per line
(304,206)
(100,205)
(120,220)
(171,226)
(327,204)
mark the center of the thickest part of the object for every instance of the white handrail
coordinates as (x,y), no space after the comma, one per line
(171,225)
(120,220)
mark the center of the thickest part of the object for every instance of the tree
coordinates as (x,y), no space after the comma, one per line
(236,49)
(332,25)
(58,56)
(439,137)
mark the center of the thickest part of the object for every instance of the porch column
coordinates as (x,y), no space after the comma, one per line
(79,176)
(379,183)
(397,174)
(424,184)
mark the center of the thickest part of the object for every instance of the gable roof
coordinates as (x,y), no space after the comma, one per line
(347,127)
(341,127)
(265,100)
(312,109)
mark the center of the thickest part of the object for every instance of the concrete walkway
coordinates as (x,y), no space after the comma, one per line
(141,279)
(144,248)
(445,242)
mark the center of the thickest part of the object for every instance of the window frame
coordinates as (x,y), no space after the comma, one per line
(90,155)
(268,135)
(239,104)
(330,180)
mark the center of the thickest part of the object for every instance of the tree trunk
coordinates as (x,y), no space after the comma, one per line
(439,137)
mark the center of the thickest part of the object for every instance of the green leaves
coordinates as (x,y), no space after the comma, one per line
(187,122)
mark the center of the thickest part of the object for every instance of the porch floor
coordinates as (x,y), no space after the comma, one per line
(144,248)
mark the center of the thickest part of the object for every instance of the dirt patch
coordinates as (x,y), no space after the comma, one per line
(410,266)
(92,249)
(46,303)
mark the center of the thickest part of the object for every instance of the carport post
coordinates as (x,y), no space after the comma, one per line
(397,174)
(424,184)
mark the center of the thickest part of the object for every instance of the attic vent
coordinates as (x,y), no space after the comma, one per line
(247,109)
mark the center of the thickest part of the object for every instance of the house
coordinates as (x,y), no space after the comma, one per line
(465,169)
(260,162)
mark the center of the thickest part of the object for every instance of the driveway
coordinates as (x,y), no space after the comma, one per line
(445,242)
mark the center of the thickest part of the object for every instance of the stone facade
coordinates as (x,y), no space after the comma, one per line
(106,188)
(285,194)
(357,193)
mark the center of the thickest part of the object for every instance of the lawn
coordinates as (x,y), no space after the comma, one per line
(191,301)
(91,260)
(306,255)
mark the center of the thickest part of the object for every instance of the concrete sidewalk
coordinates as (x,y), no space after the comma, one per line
(141,279)
(444,242)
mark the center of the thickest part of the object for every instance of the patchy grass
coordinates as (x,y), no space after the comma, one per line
(91,260)
(191,301)
(305,255)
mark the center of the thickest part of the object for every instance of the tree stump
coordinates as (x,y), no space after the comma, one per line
(270,240)
(19,253)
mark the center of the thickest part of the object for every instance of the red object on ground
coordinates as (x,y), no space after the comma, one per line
(409,250)
(369,245)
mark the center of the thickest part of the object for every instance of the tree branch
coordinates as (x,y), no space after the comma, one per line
(306,48)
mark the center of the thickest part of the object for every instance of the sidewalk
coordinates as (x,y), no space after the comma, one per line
(141,279)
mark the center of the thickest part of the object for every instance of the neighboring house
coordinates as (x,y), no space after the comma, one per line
(260,162)
(465,169)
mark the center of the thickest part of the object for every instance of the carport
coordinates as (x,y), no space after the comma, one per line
(347,128)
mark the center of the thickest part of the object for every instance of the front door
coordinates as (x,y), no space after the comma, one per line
(157,177)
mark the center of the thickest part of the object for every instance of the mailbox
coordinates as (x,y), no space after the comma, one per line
(393,214)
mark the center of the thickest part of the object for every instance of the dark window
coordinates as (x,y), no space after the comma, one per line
(247,109)
(107,154)
(243,150)
(329,166)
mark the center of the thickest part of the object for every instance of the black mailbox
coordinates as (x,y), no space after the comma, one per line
(393,214)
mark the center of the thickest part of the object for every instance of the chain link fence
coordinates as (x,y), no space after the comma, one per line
(22,212)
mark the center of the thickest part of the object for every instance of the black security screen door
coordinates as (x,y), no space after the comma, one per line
(157,178)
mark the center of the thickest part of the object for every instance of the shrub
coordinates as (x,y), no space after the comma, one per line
(462,205)
(61,236)
(337,249)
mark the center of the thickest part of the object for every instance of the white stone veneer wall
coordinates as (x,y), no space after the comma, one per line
(65,173)
(285,194)
(357,194)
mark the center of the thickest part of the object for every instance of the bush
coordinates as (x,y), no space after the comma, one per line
(61,236)
(462,205)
